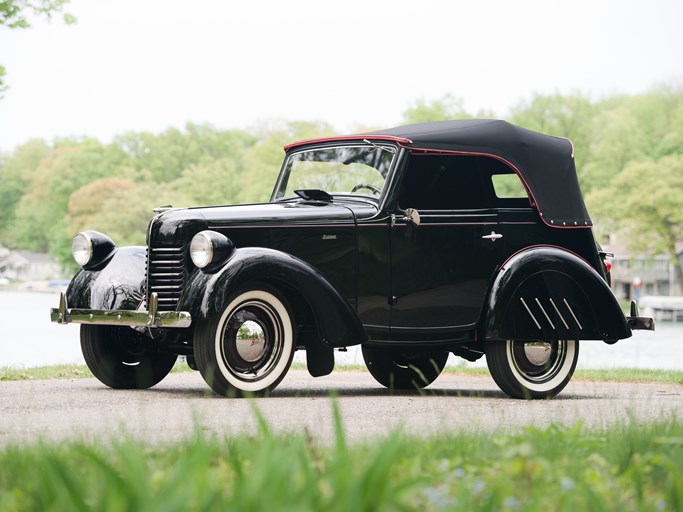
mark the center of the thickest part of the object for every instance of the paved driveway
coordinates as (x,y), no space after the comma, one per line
(84,408)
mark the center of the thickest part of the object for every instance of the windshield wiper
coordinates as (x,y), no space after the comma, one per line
(383,148)
(314,194)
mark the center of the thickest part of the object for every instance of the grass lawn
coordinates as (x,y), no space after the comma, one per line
(611,375)
(626,467)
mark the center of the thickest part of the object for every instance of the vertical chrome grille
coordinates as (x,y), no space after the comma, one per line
(165,275)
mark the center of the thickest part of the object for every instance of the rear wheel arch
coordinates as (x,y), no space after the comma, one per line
(551,293)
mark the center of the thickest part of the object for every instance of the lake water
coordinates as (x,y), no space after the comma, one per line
(28,338)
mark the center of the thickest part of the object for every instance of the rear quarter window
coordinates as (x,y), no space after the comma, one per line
(509,191)
(508,186)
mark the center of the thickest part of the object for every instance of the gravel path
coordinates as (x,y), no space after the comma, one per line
(85,409)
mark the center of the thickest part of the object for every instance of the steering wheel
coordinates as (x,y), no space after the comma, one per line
(374,189)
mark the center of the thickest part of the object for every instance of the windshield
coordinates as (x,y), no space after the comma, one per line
(338,170)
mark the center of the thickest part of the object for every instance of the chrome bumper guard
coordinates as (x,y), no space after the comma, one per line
(151,318)
(639,322)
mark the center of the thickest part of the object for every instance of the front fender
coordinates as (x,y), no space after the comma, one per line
(116,286)
(207,293)
(547,293)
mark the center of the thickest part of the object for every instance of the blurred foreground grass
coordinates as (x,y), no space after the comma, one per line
(627,467)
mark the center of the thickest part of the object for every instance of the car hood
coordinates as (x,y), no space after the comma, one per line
(275,214)
(175,225)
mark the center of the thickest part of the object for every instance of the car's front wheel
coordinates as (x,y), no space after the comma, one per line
(249,346)
(117,356)
(532,369)
(396,369)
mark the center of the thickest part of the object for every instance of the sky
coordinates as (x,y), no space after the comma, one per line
(148,65)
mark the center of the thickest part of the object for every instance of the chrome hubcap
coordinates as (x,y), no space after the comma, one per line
(252,340)
(538,361)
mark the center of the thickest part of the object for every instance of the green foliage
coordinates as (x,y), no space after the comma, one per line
(625,467)
(446,108)
(622,143)
(15,176)
(14,14)
(648,210)
(568,116)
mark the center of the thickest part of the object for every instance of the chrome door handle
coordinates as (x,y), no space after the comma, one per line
(493,236)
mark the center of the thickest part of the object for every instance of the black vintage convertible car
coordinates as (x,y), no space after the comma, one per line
(465,237)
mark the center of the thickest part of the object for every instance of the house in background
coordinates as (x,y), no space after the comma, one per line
(637,275)
(28,266)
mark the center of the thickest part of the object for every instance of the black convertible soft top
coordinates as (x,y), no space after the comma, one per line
(545,163)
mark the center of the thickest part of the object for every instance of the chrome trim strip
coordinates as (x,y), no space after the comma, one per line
(485,217)
(531,314)
(344,224)
(441,224)
(152,318)
(559,314)
(545,314)
(572,312)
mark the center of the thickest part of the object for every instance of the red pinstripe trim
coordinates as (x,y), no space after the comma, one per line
(388,138)
(564,249)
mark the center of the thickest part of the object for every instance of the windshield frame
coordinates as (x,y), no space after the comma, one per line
(286,169)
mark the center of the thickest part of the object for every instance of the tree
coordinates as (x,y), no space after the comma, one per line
(444,109)
(86,203)
(39,223)
(644,203)
(16,174)
(568,116)
(163,158)
(14,14)
(212,182)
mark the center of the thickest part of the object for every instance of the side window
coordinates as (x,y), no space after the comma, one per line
(508,189)
(508,186)
(437,182)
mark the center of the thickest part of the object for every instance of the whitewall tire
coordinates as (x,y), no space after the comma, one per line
(248,347)
(532,369)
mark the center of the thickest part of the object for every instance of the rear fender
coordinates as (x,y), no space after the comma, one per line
(207,293)
(118,285)
(547,293)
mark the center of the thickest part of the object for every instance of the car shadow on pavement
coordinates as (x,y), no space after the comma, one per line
(328,392)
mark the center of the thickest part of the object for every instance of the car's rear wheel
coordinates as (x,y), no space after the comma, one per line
(532,369)
(248,347)
(118,358)
(397,369)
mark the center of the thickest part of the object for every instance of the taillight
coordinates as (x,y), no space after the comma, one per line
(608,266)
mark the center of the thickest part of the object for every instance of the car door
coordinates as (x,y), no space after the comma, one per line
(441,268)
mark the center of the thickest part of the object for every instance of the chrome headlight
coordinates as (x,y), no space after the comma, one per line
(209,247)
(81,248)
(90,248)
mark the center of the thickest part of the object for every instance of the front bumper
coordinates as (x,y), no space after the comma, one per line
(151,318)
